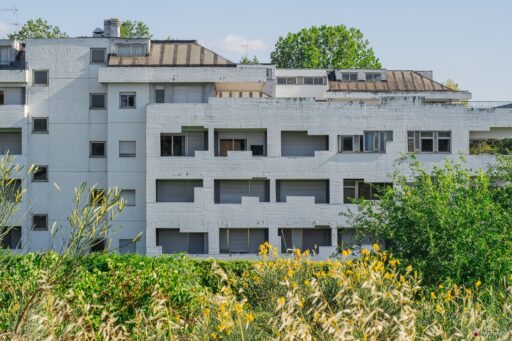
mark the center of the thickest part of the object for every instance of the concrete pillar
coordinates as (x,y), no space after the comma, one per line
(273,237)
(213,241)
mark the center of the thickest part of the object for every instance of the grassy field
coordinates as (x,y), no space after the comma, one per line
(134,297)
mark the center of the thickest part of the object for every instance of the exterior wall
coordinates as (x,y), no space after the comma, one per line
(303,91)
(276,115)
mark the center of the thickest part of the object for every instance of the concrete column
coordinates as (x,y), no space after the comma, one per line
(213,241)
(274,142)
(211,141)
(334,236)
(273,237)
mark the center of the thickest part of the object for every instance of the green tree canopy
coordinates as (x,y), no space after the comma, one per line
(451,223)
(135,29)
(247,60)
(325,47)
(38,28)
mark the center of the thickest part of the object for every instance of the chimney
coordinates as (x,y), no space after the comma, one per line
(112,28)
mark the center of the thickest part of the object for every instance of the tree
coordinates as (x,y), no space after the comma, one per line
(135,29)
(38,28)
(246,60)
(450,84)
(451,223)
(325,47)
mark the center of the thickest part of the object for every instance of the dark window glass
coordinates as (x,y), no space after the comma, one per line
(97,149)
(172,145)
(98,56)
(40,77)
(40,222)
(257,150)
(98,245)
(40,125)
(281,80)
(127,101)
(40,174)
(427,145)
(2,98)
(12,239)
(97,101)
(308,80)
(444,145)
(364,191)
(159,96)
(348,144)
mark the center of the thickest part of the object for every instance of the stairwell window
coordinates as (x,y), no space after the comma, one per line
(40,222)
(97,101)
(40,125)
(429,141)
(40,174)
(127,100)
(97,149)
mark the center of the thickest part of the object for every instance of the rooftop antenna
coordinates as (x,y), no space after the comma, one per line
(245,47)
(14,11)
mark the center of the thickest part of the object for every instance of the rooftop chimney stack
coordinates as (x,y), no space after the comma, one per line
(112,28)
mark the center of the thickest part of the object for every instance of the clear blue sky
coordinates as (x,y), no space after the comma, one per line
(468,41)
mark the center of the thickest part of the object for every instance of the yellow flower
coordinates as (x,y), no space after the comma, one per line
(280,301)
(290,273)
(439,309)
(307,282)
(249,318)
(478,283)
(213,336)
(376,247)
(297,253)
(365,252)
(409,268)
(344,253)
(433,295)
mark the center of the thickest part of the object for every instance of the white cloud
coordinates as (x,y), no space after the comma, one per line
(4,29)
(238,44)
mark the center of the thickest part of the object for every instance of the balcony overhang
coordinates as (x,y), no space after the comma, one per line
(13,77)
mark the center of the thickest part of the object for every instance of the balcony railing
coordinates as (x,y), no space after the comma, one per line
(487,104)
(15,65)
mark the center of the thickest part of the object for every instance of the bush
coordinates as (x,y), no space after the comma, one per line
(451,223)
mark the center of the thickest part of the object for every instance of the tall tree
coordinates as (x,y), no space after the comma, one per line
(38,28)
(324,47)
(135,29)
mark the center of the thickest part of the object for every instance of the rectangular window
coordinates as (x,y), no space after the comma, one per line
(258,150)
(429,141)
(270,74)
(291,80)
(127,246)
(127,100)
(232,191)
(129,196)
(97,101)
(98,245)
(176,190)
(40,222)
(40,77)
(127,148)
(373,77)
(226,145)
(160,96)
(237,240)
(375,141)
(10,141)
(354,190)
(350,143)
(12,239)
(128,50)
(172,145)
(40,125)
(281,80)
(2,97)
(98,55)
(97,149)
(349,77)
(40,174)
(174,241)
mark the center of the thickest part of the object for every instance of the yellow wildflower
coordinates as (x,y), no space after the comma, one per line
(249,318)
(409,268)
(280,301)
(433,295)
(213,336)
(290,273)
(365,252)
(478,283)
(439,309)
(307,282)
(297,253)
(376,247)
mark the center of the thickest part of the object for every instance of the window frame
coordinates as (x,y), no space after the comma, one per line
(356,187)
(349,77)
(34,174)
(128,204)
(47,119)
(162,135)
(373,77)
(34,77)
(91,60)
(134,94)
(127,155)
(357,141)
(33,225)
(98,156)
(416,137)
(91,107)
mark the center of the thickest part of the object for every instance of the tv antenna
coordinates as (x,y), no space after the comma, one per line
(14,11)
(245,46)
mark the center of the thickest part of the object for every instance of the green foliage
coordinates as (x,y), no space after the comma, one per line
(325,47)
(135,29)
(451,223)
(38,28)
(247,60)
(491,146)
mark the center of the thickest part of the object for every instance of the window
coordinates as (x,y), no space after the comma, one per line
(350,143)
(358,189)
(98,245)
(287,80)
(97,149)
(236,240)
(429,141)
(176,190)
(174,241)
(127,100)
(40,222)
(40,125)
(127,148)
(2,97)
(12,239)
(97,101)
(373,77)
(226,145)
(126,50)
(258,150)
(40,77)
(159,95)
(369,142)
(269,74)
(10,141)
(97,196)
(349,77)
(172,145)
(314,80)
(98,56)
(129,196)
(40,174)
(127,246)
(231,191)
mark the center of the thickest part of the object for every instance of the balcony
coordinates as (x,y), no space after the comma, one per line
(11,115)
(14,72)
(15,65)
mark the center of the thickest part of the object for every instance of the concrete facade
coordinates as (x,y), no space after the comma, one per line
(243,112)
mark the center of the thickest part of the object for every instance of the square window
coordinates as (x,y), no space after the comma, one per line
(127,100)
(40,174)
(127,148)
(98,56)
(349,77)
(97,101)
(281,80)
(129,196)
(444,145)
(427,145)
(257,150)
(40,222)
(97,149)
(40,77)
(172,145)
(40,125)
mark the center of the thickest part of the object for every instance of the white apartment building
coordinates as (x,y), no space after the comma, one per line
(214,157)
